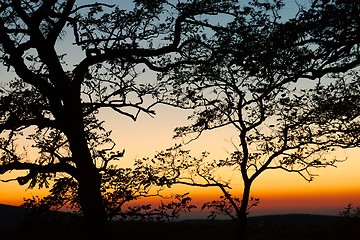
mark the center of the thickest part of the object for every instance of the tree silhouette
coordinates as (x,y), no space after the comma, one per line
(289,88)
(120,188)
(349,221)
(350,211)
(234,64)
(56,92)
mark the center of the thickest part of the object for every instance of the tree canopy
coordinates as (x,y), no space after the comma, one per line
(289,88)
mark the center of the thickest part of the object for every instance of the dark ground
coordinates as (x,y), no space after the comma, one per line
(273,227)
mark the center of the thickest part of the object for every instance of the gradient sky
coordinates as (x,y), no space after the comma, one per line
(279,192)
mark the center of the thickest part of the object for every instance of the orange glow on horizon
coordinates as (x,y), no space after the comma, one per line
(321,201)
(278,191)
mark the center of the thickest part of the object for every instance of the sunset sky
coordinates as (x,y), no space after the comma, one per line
(279,192)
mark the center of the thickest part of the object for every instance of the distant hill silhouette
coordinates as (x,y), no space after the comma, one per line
(11,215)
(269,227)
(296,220)
(282,219)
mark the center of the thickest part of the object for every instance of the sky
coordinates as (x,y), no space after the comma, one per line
(279,192)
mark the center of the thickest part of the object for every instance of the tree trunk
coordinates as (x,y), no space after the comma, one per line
(89,180)
(87,175)
(92,205)
(242,213)
(242,226)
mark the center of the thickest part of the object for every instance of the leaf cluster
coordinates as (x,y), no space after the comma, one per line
(227,205)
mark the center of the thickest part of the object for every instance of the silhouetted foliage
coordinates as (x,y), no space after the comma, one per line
(120,188)
(168,210)
(350,211)
(287,85)
(349,222)
(50,105)
(165,212)
(234,63)
(225,206)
